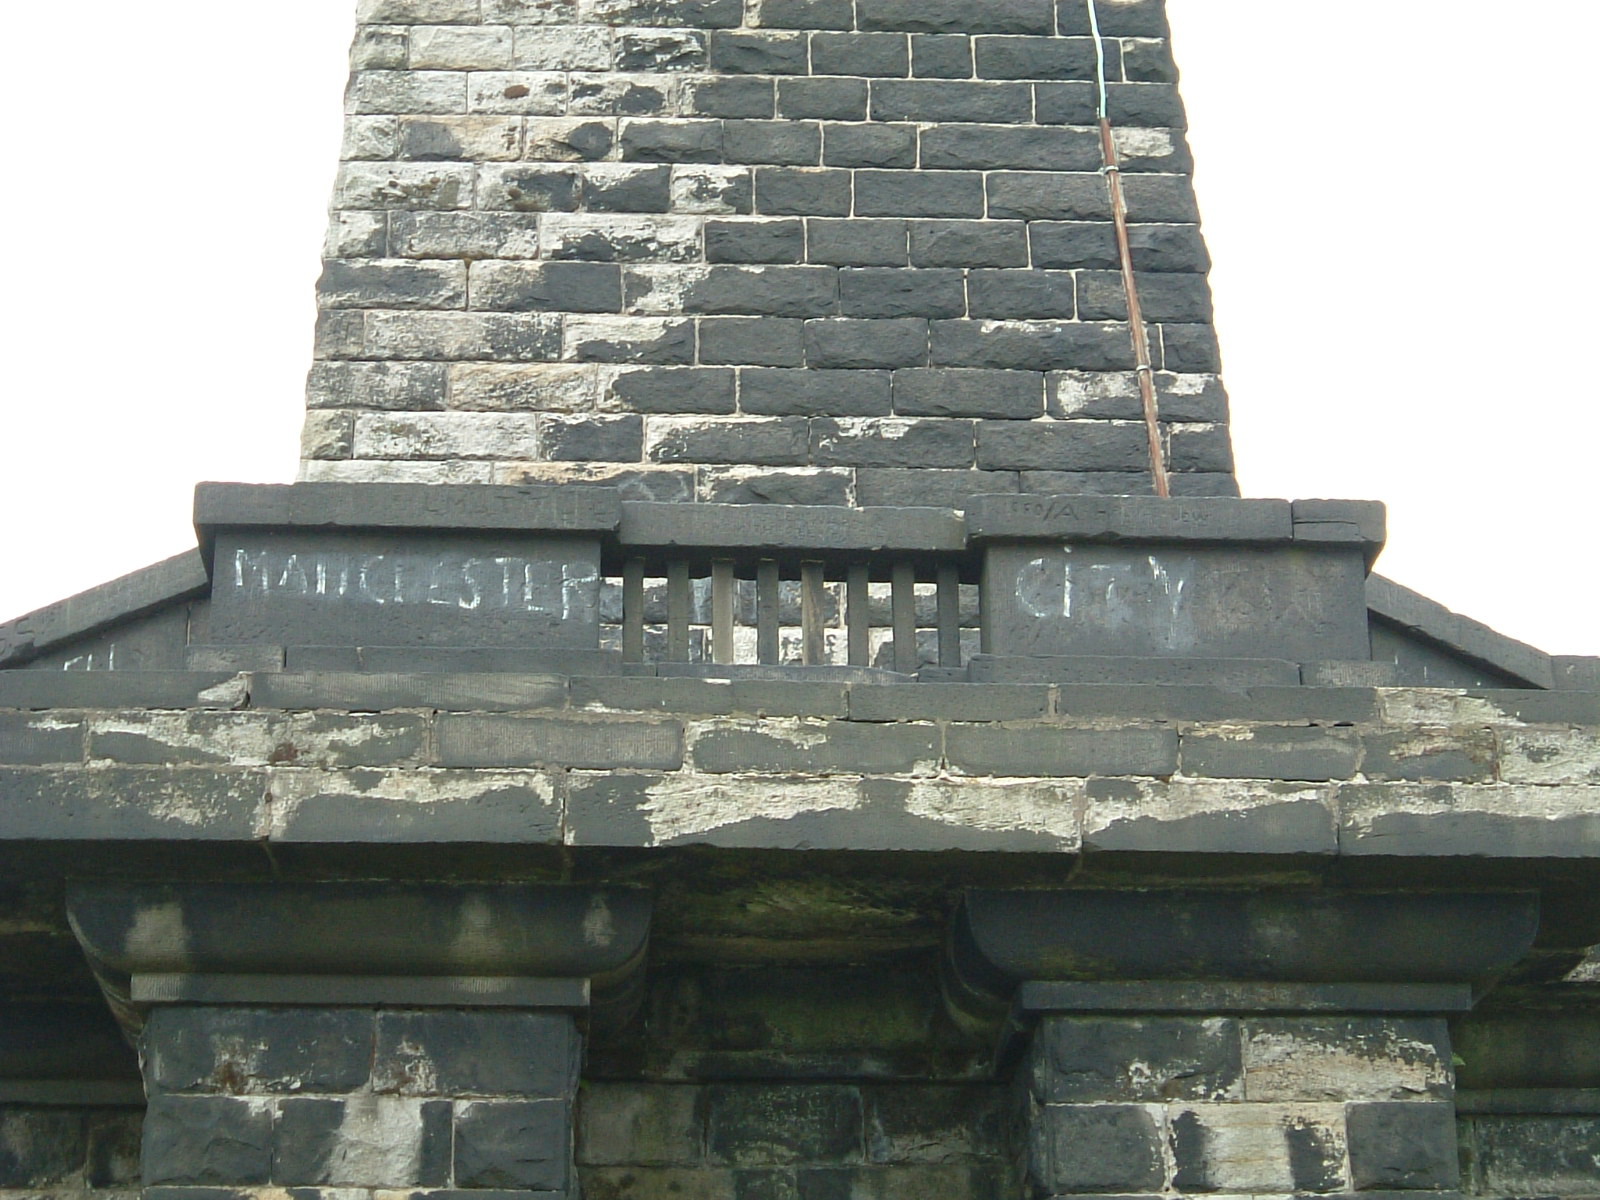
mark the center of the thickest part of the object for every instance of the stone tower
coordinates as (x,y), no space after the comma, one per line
(800,251)
(922,810)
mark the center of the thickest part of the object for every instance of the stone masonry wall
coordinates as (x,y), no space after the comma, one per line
(815,251)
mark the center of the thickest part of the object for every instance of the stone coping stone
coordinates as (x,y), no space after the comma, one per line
(751,528)
(530,509)
(388,991)
(781,674)
(455,660)
(1471,639)
(1209,997)
(1529,1102)
(119,689)
(1129,519)
(166,582)
(1229,673)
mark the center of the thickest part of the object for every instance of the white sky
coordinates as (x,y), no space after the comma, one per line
(1399,198)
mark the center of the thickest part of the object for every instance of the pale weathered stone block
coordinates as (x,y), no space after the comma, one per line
(445,435)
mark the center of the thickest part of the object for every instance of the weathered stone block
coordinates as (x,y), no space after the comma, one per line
(757,1124)
(814,747)
(640,1124)
(1257,1148)
(514,1144)
(1537,1155)
(1096,1059)
(41,1148)
(1406,1145)
(933,1124)
(1050,750)
(256,1050)
(1096,1148)
(1550,756)
(1271,752)
(476,1052)
(40,739)
(414,807)
(207,1140)
(1346,1058)
(356,1141)
(489,741)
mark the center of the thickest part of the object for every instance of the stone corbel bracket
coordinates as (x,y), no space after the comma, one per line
(425,945)
(1015,954)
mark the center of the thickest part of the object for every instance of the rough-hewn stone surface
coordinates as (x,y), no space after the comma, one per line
(619,761)
(585,232)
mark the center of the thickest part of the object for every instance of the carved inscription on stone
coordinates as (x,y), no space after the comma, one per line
(422,589)
(1165,602)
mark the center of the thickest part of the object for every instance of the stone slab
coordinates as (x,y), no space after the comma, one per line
(1418,820)
(1243,997)
(750,528)
(1078,519)
(379,692)
(1460,635)
(118,689)
(1206,602)
(164,583)
(233,658)
(355,506)
(1114,671)
(130,804)
(286,587)
(389,991)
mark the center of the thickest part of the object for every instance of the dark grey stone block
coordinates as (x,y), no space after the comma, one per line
(504,741)
(1077,1060)
(1178,603)
(671,141)
(572,287)
(897,486)
(1036,58)
(1098,1148)
(759,1125)
(114,689)
(1087,483)
(520,1144)
(274,1050)
(1072,213)
(769,441)
(36,741)
(779,143)
(1013,395)
(730,96)
(695,14)
(1007,147)
(1213,675)
(1165,297)
(808,487)
(869,145)
(207,1140)
(40,1148)
(834,748)
(1031,294)
(823,99)
(885,55)
(756,341)
(163,584)
(592,439)
(1034,346)
(758,53)
(1191,348)
(802,191)
(1459,755)
(1404,1145)
(919,194)
(889,293)
(1080,519)
(476,1053)
(952,16)
(1053,750)
(647,190)
(668,344)
(1123,18)
(755,242)
(370,807)
(858,242)
(941,56)
(233,659)
(1545,1155)
(1273,752)
(807,14)
(1059,445)
(346,506)
(827,392)
(846,344)
(948,702)
(130,804)
(931,442)
(306,1142)
(765,291)
(351,589)
(720,697)
(675,390)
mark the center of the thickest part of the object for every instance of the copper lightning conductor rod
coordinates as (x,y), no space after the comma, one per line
(1119,215)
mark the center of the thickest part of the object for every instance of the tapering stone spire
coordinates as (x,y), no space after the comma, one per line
(814,251)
